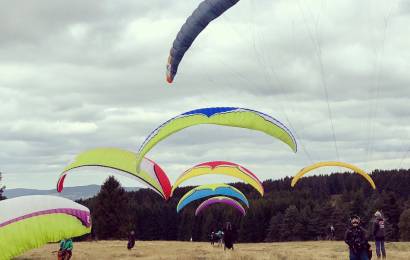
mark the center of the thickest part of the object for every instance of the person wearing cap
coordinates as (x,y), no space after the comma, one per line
(378,234)
(356,239)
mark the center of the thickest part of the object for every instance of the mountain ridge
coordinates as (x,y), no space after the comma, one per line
(72,193)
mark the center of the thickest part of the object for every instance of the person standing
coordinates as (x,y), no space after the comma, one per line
(212,237)
(379,234)
(131,240)
(332,232)
(220,237)
(228,236)
(66,249)
(356,239)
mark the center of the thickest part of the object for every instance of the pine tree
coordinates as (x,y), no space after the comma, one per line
(109,212)
(185,225)
(404,225)
(308,232)
(288,227)
(247,232)
(169,222)
(391,211)
(340,222)
(274,228)
(325,215)
(357,205)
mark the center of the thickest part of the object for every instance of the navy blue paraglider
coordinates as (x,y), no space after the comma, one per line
(207,11)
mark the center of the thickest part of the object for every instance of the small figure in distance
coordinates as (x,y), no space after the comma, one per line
(212,238)
(220,237)
(131,240)
(332,232)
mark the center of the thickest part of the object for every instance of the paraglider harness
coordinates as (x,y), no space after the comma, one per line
(358,243)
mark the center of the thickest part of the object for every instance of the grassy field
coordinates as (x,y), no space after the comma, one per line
(193,250)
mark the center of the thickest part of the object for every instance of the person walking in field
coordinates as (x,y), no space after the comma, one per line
(131,240)
(66,249)
(379,234)
(356,239)
(228,236)
(220,237)
(212,237)
(332,232)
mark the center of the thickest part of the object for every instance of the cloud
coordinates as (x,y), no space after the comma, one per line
(77,75)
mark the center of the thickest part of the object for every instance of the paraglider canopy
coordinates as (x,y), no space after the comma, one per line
(220,168)
(207,11)
(340,164)
(221,200)
(208,191)
(120,162)
(31,221)
(226,116)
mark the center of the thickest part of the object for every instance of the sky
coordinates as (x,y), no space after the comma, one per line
(77,75)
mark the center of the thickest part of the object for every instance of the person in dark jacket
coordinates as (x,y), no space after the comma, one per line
(229,236)
(378,233)
(212,238)
(356,239)
(131,240)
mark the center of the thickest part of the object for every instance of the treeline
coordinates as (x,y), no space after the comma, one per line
(283,214)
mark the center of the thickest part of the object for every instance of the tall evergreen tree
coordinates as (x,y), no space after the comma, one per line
(340,222)
(110,211)
(357,205)
(391,211)
(404,225)
(247,232)
(325,216)
(274,228)
(185,225)
(308,222)
(289,224)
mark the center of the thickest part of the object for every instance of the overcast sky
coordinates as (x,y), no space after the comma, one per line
(78,74)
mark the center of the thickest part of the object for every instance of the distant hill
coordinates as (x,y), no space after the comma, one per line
(72,193)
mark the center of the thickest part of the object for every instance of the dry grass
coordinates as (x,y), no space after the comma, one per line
(187,250)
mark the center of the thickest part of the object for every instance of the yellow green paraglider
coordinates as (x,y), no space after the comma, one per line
(29,222)
(122,162)
(225,116)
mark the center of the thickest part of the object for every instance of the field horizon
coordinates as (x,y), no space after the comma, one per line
(116,249)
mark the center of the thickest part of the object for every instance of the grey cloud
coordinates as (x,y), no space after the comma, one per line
(78,75)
